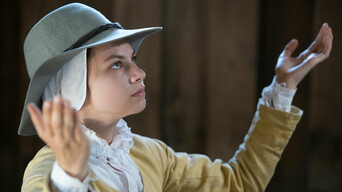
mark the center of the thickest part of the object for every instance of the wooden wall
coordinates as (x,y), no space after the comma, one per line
(205,72)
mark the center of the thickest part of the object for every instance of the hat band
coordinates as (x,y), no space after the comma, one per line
(93,33)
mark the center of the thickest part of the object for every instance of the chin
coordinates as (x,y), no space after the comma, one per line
(140,107)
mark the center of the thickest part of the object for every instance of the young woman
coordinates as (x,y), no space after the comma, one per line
(85,80)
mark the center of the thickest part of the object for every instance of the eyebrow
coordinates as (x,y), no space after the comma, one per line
(113,56)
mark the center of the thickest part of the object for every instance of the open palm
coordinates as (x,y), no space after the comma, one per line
(291,70)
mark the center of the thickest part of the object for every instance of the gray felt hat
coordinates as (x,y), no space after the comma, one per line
(61,35)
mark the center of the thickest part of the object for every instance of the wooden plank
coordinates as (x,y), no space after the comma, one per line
(231,57)
(183,69)
(138,14)
(9,81)
(325,165)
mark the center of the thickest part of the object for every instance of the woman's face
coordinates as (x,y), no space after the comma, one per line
(115,82)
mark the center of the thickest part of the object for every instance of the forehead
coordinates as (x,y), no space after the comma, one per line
(121,46)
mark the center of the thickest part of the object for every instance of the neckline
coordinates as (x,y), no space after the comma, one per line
(122,140)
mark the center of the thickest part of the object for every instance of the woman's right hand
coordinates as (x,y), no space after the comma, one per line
(59,127)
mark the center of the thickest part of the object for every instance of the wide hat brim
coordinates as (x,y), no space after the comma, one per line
(50,67)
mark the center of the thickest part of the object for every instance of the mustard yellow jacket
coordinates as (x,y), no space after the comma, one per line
(162,169)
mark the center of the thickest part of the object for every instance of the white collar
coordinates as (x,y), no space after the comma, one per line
(122,140)
(103,158)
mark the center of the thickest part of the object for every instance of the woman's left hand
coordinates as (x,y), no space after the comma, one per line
(291,70)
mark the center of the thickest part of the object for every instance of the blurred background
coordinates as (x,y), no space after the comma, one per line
(205,72)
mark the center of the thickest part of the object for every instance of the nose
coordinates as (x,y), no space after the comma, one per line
(136,74)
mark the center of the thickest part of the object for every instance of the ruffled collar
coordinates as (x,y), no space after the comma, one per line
(122,141)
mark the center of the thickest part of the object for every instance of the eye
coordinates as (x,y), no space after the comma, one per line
(117,65)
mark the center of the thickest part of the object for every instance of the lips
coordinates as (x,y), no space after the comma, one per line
(139,93)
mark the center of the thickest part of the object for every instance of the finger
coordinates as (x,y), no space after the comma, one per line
(56,117)
(320,41)
(331,34)
(47,117)
(290,48)
(301,70)
(36,117)
(328,42)
(317,45)
(78,132)
(321,33)
(314,47)
(303,55)
(319,58)
(327,46)
(68,121)
(323,40)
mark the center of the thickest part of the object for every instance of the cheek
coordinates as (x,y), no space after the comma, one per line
(108,94)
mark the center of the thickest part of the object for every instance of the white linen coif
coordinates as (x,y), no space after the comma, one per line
(70,81)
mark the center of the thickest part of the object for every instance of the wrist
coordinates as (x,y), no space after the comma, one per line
(64,182)
(286,83)
(75,171)
(79,175)
(278,96)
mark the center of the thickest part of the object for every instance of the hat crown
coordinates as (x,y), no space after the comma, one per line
(57,31)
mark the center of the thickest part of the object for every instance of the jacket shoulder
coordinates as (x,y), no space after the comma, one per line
(151,157)
(40,165)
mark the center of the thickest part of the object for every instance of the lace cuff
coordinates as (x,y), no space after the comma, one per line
(63,182)
(278,96)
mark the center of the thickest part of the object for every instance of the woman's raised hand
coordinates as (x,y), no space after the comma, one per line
(59,127)
(291,70)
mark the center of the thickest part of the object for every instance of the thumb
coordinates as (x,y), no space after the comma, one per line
(290,48)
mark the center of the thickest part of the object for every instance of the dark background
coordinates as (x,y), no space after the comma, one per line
(205,72)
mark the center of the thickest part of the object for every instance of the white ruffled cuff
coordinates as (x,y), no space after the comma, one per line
(67,183)
(278,96)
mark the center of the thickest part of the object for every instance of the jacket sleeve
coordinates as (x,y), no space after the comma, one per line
(250,169)
(37,176)
(37,173)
